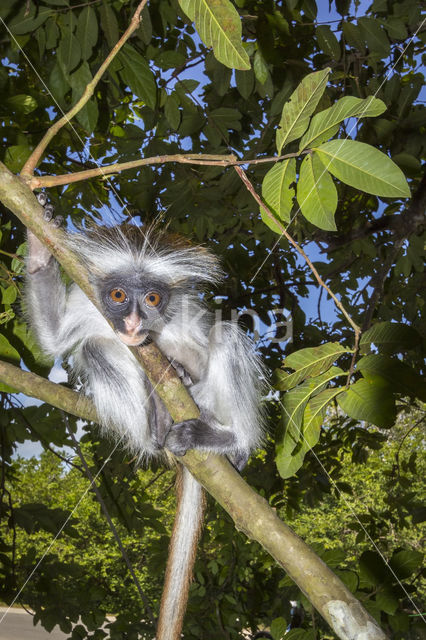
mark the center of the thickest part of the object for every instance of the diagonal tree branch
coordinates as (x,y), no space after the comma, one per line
(251,513)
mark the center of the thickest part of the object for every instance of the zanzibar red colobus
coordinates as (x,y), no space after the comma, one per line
(149,286)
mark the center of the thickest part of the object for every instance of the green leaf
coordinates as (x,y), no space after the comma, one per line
(387,600)
(309,362)
(401,377)
(373,568)
(171,110)
(316,194)
(219,26)
(391,337)
(302,421)
(277,189)
(8,296)
(87,31)
(376,38)
(278,628)
(297,111)
(318,404)
(145,28)
(69,51)
(298,438)
(88,115)
(406,562)
(326,123)
(328,42)
(260,68)
(59,83)
(370,400)
(353,36)
(395,27)
(245,83)
(26,21)
(109,24)
(137,75)
(23,103)
(16,156)
(363,167)
(7,352)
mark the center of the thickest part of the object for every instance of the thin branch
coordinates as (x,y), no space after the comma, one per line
(33,160)
(211,160)
(299,249)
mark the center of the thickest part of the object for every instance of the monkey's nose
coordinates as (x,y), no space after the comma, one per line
(132,322)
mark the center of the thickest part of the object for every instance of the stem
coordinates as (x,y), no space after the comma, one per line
(37,182)
(298,248)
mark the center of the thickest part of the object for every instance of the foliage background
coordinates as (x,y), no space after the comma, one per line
(167,93)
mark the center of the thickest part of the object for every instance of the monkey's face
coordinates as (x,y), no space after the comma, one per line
(134,305)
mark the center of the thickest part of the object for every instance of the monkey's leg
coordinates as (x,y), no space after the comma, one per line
(227,397)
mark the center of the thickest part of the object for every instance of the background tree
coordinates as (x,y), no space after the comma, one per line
(166,93)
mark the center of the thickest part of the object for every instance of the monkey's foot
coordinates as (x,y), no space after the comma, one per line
(198,434)
(38,255)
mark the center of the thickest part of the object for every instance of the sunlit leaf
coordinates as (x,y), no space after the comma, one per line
(300,437)
(23,103)
(219,27)
(309,362)
(316,194)
(277,189)
(326,123)
(297,111)
(363,167)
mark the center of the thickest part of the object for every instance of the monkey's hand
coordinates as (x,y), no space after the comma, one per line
(38,254)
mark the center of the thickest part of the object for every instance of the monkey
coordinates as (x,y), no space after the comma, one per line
(149,285)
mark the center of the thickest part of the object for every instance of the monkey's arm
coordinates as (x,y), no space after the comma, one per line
(46,295)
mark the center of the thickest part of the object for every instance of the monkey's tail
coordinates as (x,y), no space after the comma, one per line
(182,552)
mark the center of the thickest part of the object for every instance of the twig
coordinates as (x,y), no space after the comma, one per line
(30,165)
(354,357)
(299,249)
(37,182)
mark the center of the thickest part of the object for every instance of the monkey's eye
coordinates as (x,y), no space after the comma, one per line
(152,299)
(118,295)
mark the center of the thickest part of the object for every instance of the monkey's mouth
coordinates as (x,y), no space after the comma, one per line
(133,340)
